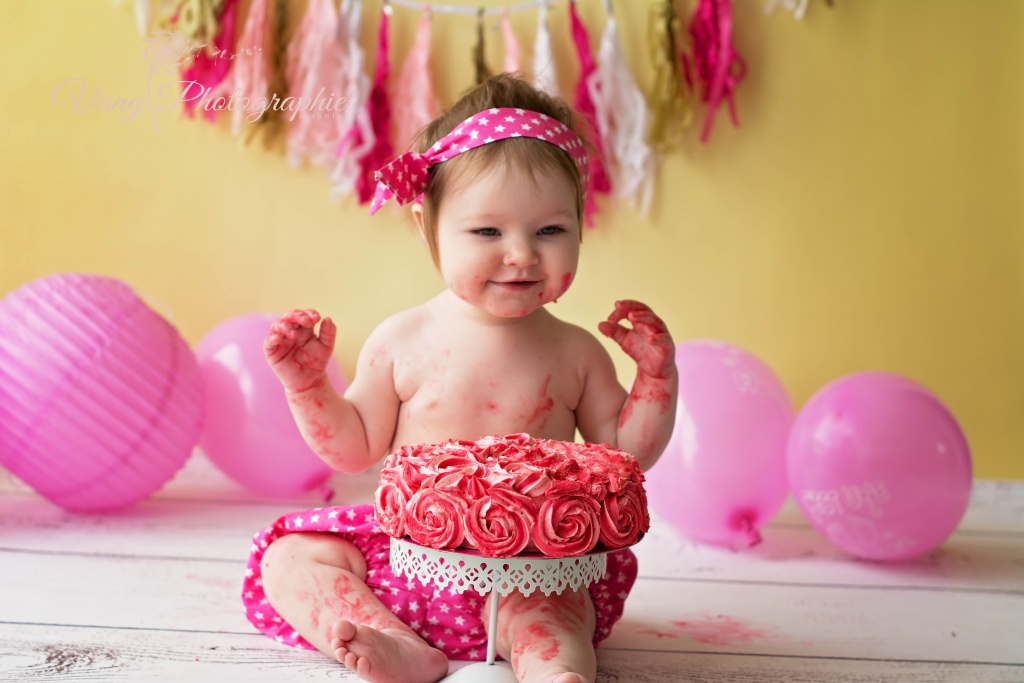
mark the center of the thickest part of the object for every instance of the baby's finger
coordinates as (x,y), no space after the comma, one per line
(614,331)
(645,316)
(328,333)
(303,318)
(273,346)
(284,328)
(649,329)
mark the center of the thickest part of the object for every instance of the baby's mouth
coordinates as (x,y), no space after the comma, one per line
(518,284)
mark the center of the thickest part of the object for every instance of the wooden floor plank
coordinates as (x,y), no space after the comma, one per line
(173,527)
(47,653)
(823,621)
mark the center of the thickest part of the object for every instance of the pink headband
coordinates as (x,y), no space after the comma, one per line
(405,178)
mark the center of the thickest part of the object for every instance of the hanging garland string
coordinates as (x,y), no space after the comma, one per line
(356,139)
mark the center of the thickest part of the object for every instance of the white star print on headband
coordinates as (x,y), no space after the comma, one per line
(405,178)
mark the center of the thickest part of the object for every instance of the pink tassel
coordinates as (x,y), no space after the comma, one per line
(252,67)
(415,104)
(312,70)
(210,68)
(599,182)
(714,57)
(380,114)
(512,50)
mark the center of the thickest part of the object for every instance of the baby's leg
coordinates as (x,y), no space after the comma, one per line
(316,582)
(548,639)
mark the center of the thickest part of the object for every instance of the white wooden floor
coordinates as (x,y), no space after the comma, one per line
(152,594)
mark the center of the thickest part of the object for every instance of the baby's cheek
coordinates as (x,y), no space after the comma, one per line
(465,287)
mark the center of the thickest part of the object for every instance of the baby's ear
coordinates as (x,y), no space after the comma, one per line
(417,216)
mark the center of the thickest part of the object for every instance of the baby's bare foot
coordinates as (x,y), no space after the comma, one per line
(389,655)
(569,678)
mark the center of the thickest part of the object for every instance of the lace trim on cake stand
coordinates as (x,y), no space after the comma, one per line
(462,570)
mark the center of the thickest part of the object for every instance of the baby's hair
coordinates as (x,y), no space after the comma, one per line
(522,154)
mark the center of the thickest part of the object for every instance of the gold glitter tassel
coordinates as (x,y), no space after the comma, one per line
(670,103)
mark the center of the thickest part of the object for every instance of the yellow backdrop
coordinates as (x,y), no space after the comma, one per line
(867,214)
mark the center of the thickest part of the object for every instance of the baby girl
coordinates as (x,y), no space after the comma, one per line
(501,176)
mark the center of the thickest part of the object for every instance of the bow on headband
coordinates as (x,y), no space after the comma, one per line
(405,178)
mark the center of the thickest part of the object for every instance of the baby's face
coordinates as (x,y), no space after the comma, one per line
(508,244)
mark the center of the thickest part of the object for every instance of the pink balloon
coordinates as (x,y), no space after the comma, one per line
(250,434)
(723,473)
(101,401)
(879,466)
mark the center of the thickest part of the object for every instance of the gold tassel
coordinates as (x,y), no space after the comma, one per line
(482,72)
(671,108)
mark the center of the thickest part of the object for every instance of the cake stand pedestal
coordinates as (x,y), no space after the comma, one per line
(464,570)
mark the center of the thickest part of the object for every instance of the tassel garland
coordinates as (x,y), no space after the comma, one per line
(584,104)
(715,58)
(413,94)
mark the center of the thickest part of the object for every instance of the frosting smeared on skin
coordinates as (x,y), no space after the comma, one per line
(544,404)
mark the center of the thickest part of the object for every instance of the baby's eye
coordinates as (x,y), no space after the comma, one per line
(486,232)
(551,230)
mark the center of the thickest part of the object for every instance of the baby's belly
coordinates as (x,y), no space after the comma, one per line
(437,420)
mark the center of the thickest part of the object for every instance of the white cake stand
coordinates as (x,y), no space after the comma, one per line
(468,570)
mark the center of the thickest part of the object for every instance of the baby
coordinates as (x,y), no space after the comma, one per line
(502,177)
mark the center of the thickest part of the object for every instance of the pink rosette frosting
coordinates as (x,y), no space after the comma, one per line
(506,495)
(567,522)
(435,519)
(389,508)
(624,516)
(500,523)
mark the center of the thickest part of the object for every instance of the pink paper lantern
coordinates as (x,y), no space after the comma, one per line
(880,466)
(250,433)
(100,398)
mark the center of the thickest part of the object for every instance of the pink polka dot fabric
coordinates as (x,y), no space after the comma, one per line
(452,622)
(406,177)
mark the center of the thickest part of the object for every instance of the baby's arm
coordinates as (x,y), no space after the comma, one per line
(349,432)
(642,423)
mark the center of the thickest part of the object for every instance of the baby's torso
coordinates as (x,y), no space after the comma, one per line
(495,381)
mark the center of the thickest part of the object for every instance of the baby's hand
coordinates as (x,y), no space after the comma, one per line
(294,351)
(648,342)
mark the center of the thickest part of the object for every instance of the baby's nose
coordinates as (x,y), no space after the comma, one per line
(520,253)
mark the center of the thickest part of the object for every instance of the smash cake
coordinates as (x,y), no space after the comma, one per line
(503,496)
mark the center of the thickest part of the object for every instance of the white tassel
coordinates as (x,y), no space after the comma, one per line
(623,121)
(797,7)
(545,77)
(143,16)
(356,86)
